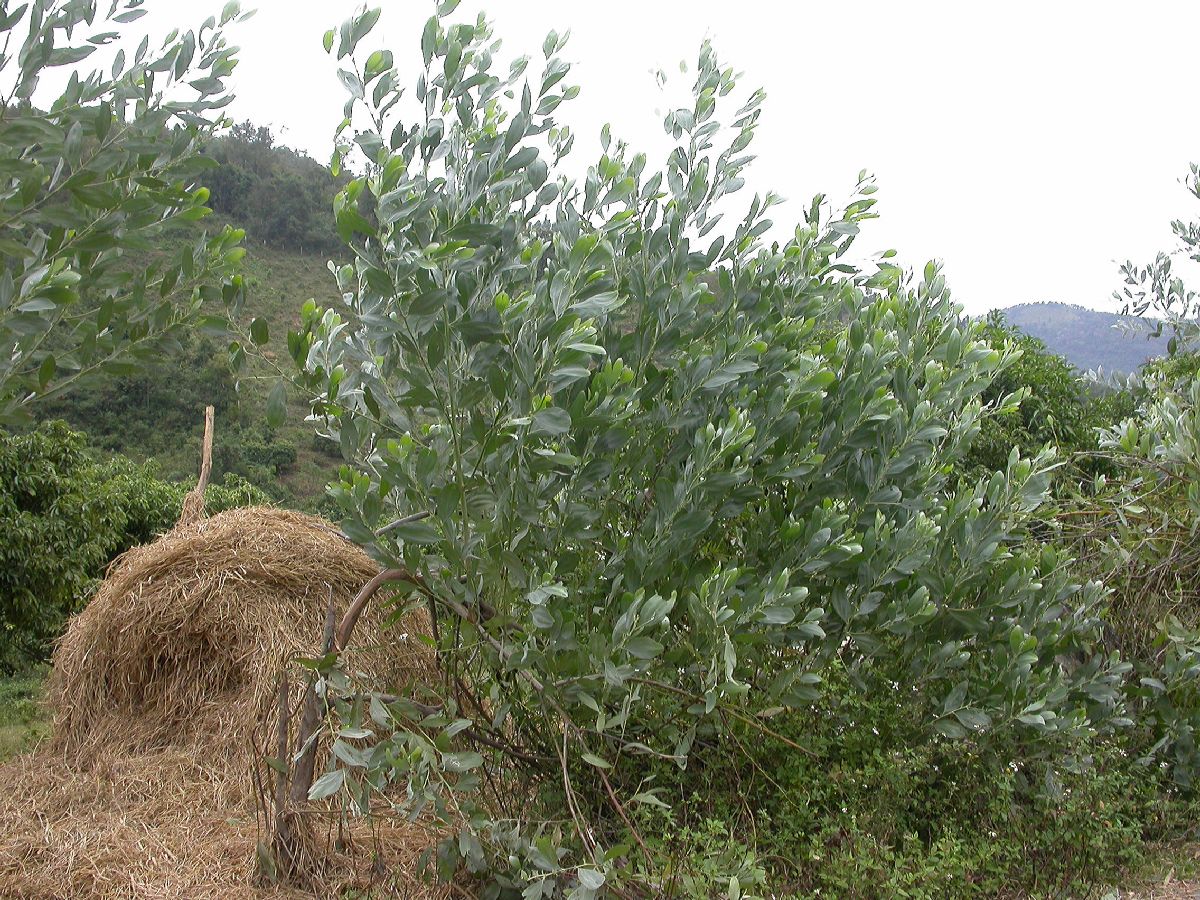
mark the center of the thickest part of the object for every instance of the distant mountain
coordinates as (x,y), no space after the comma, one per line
(1086,338)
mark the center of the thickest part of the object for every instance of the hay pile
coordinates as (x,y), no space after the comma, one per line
(159,688)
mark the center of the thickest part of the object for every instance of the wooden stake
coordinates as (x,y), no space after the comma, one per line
(206,452)
(193,503)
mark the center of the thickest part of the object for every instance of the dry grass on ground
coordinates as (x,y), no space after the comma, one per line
(159,690)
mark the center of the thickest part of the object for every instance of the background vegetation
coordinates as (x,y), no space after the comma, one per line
(66,515)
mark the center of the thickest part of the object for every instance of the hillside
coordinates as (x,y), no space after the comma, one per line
(158,413)
(282,200)
(1087,338)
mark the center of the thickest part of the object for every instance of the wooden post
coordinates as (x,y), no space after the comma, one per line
(193,503)
(206,451)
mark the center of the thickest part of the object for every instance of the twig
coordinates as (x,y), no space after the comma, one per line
(310,719)
(281,750)
(624,818)
(402,521)
(576,816)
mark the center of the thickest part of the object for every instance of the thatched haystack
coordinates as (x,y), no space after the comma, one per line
(161,686)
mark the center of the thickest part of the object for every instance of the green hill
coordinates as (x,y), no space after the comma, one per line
(1089,339)
(157,414)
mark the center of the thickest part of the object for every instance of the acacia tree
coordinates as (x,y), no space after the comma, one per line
(94,175)
(651,476)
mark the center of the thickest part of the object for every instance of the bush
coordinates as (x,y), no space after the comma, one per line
(65,516)
(876,807)
(1057,408)
(654,498)
(1137,532)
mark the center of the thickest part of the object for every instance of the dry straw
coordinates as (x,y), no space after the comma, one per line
(159,688)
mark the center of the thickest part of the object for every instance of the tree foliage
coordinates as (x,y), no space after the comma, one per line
(650,497)
(279,196)
(97,173)
(1158,288)
(1057,407)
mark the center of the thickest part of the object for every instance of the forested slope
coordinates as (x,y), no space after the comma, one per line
(1088,338)
(282,200)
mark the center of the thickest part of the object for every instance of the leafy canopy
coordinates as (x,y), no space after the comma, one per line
(652,477)
(93,176)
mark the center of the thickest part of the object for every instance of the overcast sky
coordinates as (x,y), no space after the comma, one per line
(1031,146)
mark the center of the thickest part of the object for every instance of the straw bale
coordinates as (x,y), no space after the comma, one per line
(186,637)
(158,690)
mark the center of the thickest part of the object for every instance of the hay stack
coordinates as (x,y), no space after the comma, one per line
(184,641)
(158,689)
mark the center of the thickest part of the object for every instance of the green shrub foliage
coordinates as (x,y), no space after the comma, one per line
(64,516)
(877,807)
(1137,532)
(97,174)
(1058,408)
(652,497)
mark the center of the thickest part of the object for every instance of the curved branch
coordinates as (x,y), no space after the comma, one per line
(355,610)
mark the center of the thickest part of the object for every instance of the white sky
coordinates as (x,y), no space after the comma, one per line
(1029,145)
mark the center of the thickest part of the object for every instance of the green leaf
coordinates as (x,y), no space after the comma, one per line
(453,59)
(416,533)
(648,798)
(327,785)
(643,648)
(277,404)
(591,879)
(37,304)
(352,83)
(377,63)
(950,728)
(551,421)
(46,371)
(593,760)
(974,719)
(463,761)
(259,331)
(429,39)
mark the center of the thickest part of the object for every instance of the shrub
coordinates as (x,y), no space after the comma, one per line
(652,497)
(875,806)
(1057,408)
(1137,532)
